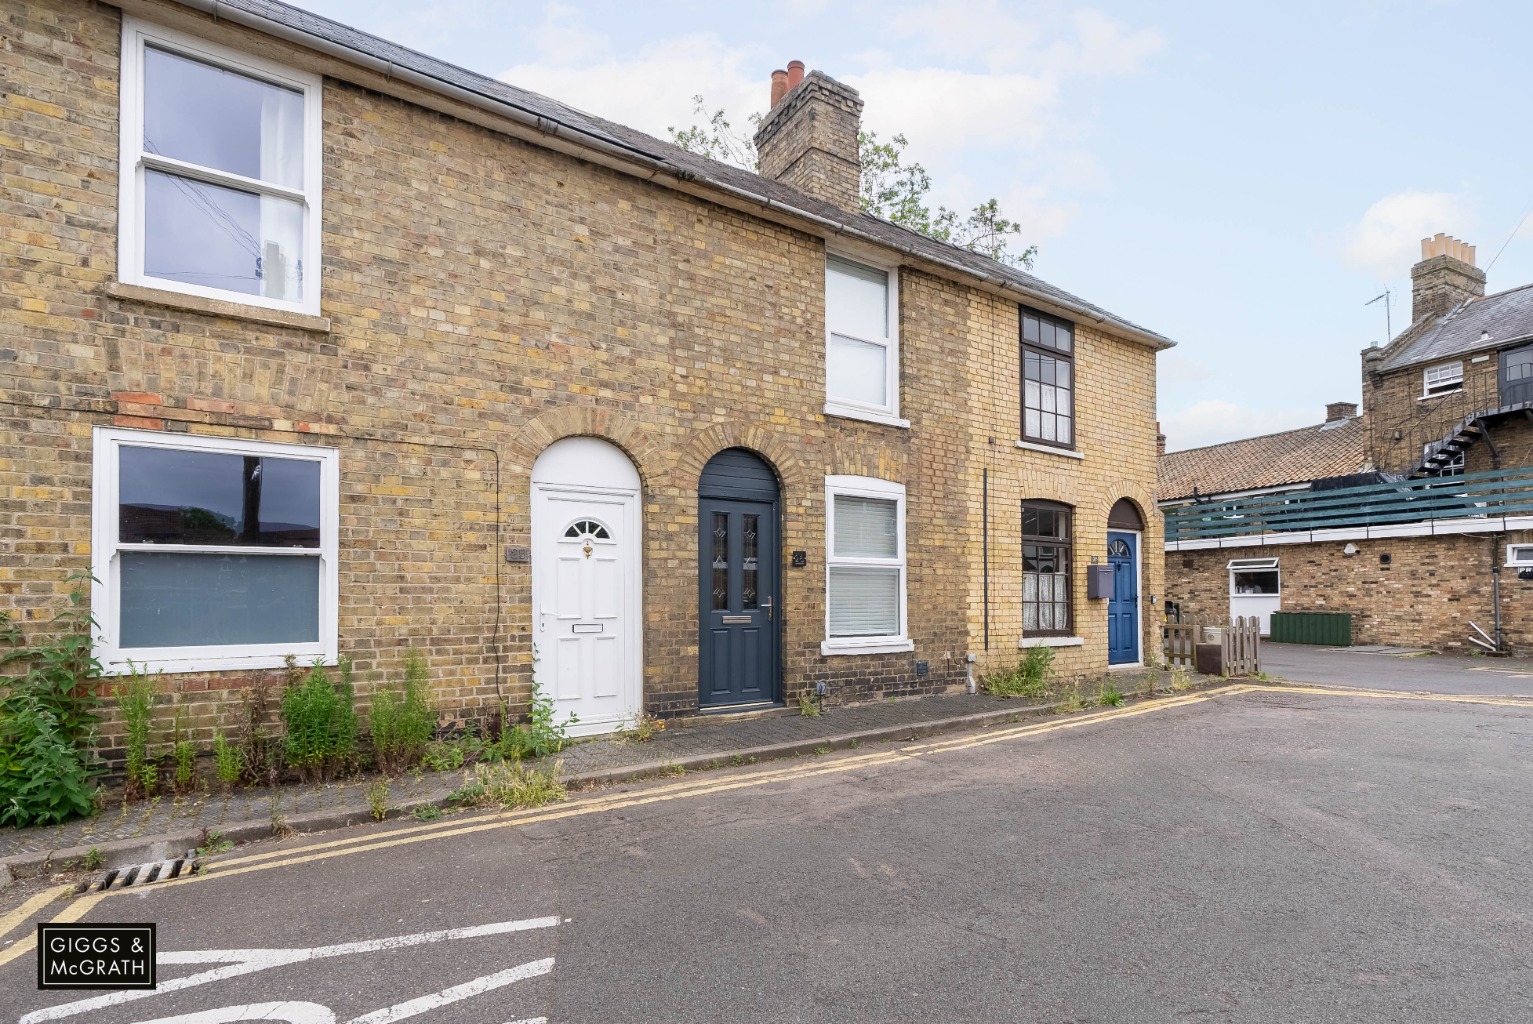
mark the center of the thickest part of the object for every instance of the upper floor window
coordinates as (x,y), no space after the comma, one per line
(220,165)
(1442,378)
(212,553)
(862,347)
(1046,543)
(1048,380)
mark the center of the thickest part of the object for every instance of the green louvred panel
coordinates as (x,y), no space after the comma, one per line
(1332,629)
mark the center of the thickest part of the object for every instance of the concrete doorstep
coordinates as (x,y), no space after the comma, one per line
(123,853)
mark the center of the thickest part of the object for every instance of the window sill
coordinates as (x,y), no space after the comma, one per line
(125,663)
(848,413)
(832,648)
(1069,453)
(1051,641)
(1440,394)
(216,307)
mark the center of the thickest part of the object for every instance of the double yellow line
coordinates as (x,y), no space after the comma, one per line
(234,866)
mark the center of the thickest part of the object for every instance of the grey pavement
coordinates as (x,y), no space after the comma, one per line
(1370,668)
(693,745)
(1260,857)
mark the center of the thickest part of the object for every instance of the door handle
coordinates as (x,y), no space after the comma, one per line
(767,601)
(543,618)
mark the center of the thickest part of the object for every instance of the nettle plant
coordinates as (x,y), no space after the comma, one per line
(48,704)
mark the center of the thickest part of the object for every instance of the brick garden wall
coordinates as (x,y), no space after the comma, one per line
(1425,597)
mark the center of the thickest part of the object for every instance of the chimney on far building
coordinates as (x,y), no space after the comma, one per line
(809,138)
(1445,278)
(1340,411)
(1160,440)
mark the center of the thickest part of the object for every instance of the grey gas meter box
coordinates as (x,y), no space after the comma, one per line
(1099,581)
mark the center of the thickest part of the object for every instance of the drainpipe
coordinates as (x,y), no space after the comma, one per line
(971,685)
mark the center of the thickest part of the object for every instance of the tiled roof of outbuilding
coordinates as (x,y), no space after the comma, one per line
(1481,325)
(1271,460)
(679,161)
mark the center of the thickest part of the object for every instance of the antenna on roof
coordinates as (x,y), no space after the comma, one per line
(1389,329)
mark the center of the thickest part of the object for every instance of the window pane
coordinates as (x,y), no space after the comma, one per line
(196,497)
(1065,429)
(1046,395)
(750,559)
(177,600)
(1046,334)
(1030,329)
(219,237)
(222,119)
(720,561)
(864,601)
(1062,373)
(856,299)
(1030,424)
(866,527)
(1063,338)
(1048,428)
(857,371)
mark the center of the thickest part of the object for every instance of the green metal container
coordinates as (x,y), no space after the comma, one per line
(1330,629)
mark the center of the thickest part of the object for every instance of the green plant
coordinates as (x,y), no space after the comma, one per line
(378,799)
(403,722)
(48,763)
(93,859)
(809,703)
(445,756)
(426,812)
(1070,702)
(185,754)
(670,768)
(543,734)
(1029,679)
(136,698)
(1180,680)
(507,785)
(853,743)
(228,761)
(1110,696)
(210,842)
(321,721)
(822,750)
(644,727)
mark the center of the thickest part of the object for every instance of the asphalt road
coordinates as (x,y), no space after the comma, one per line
(1249,857)
(1435,673)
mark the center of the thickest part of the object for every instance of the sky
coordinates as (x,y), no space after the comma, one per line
(1242,178)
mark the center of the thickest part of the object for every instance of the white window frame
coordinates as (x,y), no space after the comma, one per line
(1442,379)
(106,588)
(134,161)
(888,414)
(1519,556)
(865,487)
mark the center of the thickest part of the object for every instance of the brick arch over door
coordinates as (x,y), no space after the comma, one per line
(1144,504)
(641,446)
(705,444)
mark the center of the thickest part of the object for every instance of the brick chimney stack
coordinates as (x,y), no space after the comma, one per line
(1445,277)
(1160,440)
(809,138)
(1340,411)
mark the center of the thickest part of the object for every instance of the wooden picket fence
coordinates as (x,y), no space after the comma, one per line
(1241,643)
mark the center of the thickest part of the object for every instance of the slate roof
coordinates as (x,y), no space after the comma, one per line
(1271,460)
(1506,316)
(676,160)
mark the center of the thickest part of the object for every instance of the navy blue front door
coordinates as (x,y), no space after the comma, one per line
(1123,607)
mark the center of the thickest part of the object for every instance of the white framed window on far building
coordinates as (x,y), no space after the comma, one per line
(211,553)
(219,195)
(864,567)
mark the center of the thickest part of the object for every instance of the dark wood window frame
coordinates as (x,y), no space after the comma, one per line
(1042,547)
(1039,335)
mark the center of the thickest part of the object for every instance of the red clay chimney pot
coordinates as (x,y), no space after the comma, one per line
(795,73)
(779,86)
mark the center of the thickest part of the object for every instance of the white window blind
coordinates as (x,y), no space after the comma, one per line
(861,365)
(1443,377)
(865,578)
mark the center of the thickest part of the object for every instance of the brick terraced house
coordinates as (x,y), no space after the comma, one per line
(316,346)
(1416,518)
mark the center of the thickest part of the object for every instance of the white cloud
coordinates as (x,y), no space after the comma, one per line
(1172,367)
(988,33)
(1214,421)
(1387,240)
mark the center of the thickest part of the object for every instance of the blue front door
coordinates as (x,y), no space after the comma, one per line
(1123,607)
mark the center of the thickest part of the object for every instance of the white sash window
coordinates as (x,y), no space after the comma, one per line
(865,566)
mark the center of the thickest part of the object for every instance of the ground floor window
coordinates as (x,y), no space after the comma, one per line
(1046,569)
(212,553)
(865,565)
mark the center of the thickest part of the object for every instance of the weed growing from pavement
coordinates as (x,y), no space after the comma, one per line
(378,799)
(404,721)
(644,727)
(1180,680)
(1030,678)
(822,750)
(426,812)
(93,859)
(507,784)
(228,761)
(210,842)
(673,769)
(854,743)
(808,703)
(737,760)
(1070,702)
(1110,697)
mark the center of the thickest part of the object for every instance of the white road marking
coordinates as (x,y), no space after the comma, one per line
(488,983)
(288,1012)
(248,961)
